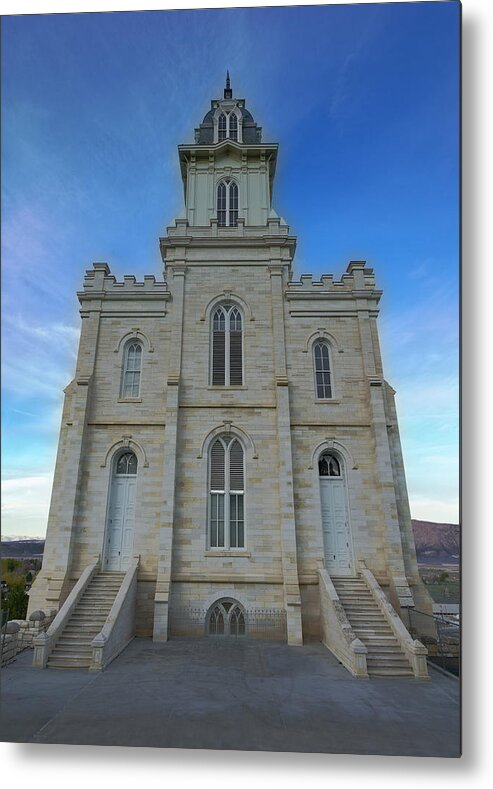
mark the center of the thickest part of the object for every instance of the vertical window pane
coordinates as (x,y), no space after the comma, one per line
(220,521)
(221,204)
(322,371)
(233,204)
(221,127)
(233,126)
(131,372)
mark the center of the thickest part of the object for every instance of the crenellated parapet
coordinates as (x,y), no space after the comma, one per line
(357,281)
(100,283)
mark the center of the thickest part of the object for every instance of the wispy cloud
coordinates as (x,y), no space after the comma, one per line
(25,504)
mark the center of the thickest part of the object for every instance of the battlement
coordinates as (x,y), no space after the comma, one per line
(356,278)
(99,282)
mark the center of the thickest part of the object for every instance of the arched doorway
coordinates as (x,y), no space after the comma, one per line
(335,518)
(226,617)
(121,513)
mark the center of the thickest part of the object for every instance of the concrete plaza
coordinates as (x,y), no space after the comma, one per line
(231,695)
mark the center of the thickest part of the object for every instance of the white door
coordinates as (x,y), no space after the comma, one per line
(121,515)
(337,538)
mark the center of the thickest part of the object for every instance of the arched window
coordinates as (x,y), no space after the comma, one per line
(227,203)
(226,494)
(226,618)
(222,127)
(132,367)
(227,346)
(329,466)
(323,376)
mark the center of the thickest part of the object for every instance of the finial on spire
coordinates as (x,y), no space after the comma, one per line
(228,93)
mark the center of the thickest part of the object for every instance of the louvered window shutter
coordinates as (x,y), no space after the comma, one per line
(217,466)
(236,466)
(235,349)
(218,349)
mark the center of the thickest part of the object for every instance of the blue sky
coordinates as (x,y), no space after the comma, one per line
(363,101)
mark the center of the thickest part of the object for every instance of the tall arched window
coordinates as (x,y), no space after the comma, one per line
(226,494)
(222,127)
(132,367)
(323,376)
(227,203)
(227,346)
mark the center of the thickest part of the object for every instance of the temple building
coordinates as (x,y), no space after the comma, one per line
(229,462)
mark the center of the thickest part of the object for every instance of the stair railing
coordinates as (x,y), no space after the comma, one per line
(337,633)
(119,628)
(414,650)
(46,642)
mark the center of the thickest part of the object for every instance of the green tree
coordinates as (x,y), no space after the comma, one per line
(16,601)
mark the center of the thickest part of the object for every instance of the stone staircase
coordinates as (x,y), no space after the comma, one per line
(73,648)
(385,657)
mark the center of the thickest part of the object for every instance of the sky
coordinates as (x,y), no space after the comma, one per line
(363,101)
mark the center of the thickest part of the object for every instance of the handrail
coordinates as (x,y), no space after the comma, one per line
(415,651)
(118,630)
(45,642)
(338,635)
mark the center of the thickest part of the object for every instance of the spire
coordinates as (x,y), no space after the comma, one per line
(228,93)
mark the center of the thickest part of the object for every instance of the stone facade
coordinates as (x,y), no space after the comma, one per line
(283,427)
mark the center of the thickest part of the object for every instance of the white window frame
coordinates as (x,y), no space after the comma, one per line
(227,492)
(323,341)
(227,344)
(126,350)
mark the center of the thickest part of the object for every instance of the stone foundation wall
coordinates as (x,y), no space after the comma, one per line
(15,642)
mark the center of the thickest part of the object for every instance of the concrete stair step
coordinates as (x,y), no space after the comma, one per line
(69,656)
(392,672)
(388,661)
(68,664)
(75,650)
(63,645)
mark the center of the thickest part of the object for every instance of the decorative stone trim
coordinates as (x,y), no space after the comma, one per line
(126,441)
(332,443)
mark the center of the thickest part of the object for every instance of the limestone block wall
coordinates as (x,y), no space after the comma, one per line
(102,442)
(262,554)
(262,602)
(249,287)
(364,505)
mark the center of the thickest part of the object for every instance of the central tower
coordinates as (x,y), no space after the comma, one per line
(228,260)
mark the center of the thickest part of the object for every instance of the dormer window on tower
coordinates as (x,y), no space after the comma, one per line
(227,126)
(227,203)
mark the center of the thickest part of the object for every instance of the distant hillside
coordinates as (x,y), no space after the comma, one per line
(437,543)
(22,548)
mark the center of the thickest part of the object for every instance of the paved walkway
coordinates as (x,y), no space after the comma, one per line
(245,695)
